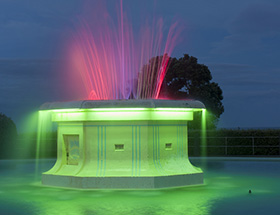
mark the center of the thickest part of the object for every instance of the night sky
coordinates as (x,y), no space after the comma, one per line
(238,40)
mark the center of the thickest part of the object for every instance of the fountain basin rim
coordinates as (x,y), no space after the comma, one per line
(129,103)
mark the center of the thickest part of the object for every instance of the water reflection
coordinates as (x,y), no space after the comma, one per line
(20,194)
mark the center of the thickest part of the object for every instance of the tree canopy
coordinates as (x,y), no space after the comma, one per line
(150,77)
(187,79)
(8,134)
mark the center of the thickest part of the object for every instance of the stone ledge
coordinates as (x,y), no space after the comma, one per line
(129,103)
(156,182)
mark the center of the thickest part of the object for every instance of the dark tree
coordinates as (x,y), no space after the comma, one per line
(8,135)
(148,85)
(187,79)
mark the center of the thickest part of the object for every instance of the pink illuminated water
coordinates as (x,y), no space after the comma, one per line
(113,59)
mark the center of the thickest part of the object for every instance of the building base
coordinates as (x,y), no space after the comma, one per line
(156,182)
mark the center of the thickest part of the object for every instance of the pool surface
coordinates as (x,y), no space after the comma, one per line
(226,191)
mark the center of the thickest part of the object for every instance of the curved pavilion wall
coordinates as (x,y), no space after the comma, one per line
(123,144)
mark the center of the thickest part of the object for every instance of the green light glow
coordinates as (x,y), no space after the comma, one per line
(65,110)
(111,114)
(144,134)
(39,133)
(203,133)
(226,192)
(125,109)
(179,109)
(44,127)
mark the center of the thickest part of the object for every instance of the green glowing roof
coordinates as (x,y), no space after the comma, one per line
(130,103)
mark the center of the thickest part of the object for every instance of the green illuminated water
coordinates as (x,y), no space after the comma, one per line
(225,191)
(203,133)
(44,128)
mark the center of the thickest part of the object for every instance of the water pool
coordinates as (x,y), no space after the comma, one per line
(226,191)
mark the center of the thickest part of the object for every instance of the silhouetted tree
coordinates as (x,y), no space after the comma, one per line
(149,79)
(187,79)
(8,135)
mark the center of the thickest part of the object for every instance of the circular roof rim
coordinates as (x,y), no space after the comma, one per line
(129,103)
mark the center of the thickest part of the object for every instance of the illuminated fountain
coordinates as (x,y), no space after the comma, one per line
(123,144)
(122,135)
